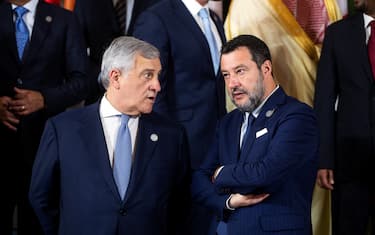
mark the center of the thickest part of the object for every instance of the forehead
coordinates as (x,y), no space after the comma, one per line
(240,55)
(143,63)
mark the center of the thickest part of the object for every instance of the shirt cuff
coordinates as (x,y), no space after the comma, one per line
(227,203)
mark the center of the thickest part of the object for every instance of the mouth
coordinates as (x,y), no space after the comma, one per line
(151,98)
(238,93)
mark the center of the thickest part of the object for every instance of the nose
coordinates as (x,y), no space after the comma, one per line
(156,85)
(232,81)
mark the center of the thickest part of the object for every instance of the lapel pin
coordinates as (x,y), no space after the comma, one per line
(269,113)
(49,19)
(154,137)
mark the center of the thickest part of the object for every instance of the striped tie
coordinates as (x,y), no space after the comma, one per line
(120,9)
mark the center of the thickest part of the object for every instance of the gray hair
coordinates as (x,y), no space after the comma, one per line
(121,55)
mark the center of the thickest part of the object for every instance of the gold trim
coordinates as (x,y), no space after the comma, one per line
(333,10)
(290,24)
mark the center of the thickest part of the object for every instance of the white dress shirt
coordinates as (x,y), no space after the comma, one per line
(194,7)
(367,19)
(28,17)
(110,118)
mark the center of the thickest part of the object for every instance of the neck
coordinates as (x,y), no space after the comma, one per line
(18,2)
(202,2)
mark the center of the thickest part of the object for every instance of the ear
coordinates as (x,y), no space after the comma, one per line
(114,77)
(266,67)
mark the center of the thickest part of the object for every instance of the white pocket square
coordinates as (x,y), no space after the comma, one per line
(261,132)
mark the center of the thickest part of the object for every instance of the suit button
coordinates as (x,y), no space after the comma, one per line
(122,211)
(19,81)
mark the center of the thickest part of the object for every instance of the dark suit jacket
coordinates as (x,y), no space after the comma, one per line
(191,92)
(54,63)
(346,135)
(100,27)
(73,190)
(279,158)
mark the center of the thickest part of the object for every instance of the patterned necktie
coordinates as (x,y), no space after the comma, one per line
(204,15)
(371,48)
(22,33)
(122,159)
(120,9)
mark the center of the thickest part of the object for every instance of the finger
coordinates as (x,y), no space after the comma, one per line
(16,103)
(19,90)
(331,177)
(325,182)
(10,126)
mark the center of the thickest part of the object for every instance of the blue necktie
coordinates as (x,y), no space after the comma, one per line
(250,120)
(222,226)
(122,159)
(22,33)
(204,15)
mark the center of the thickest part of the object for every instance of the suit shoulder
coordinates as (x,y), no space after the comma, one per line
(292,105)
(55,10)
(345,24)
(72,115)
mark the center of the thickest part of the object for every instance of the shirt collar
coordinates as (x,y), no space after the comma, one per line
(30,6)
(367,19)
(256,111)
(193,6)
(106,108)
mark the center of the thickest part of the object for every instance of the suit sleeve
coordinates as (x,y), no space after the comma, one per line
(203,190)
(44,188)
(75,88)
(324,102)
(293,144)
(150,28)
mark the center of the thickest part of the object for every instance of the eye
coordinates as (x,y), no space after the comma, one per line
(148,75)
(225,75)
(240,71)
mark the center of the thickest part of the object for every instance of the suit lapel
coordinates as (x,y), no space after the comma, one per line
(146,143)
(234,130)
(219,26)
(359,38)
(94,140)
(269,108)
(183,14)
(43,22)
(7,30)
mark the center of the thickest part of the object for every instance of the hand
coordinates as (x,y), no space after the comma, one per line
(325,179)
(26,102)
(238,200)
(6,117)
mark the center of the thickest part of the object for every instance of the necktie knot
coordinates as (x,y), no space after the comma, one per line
(372,24)
(20,11)
(124,120)
(203,13)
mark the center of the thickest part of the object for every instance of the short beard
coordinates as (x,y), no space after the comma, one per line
(361,8)
(255,97)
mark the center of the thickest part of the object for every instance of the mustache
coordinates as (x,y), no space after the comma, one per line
(238,90)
